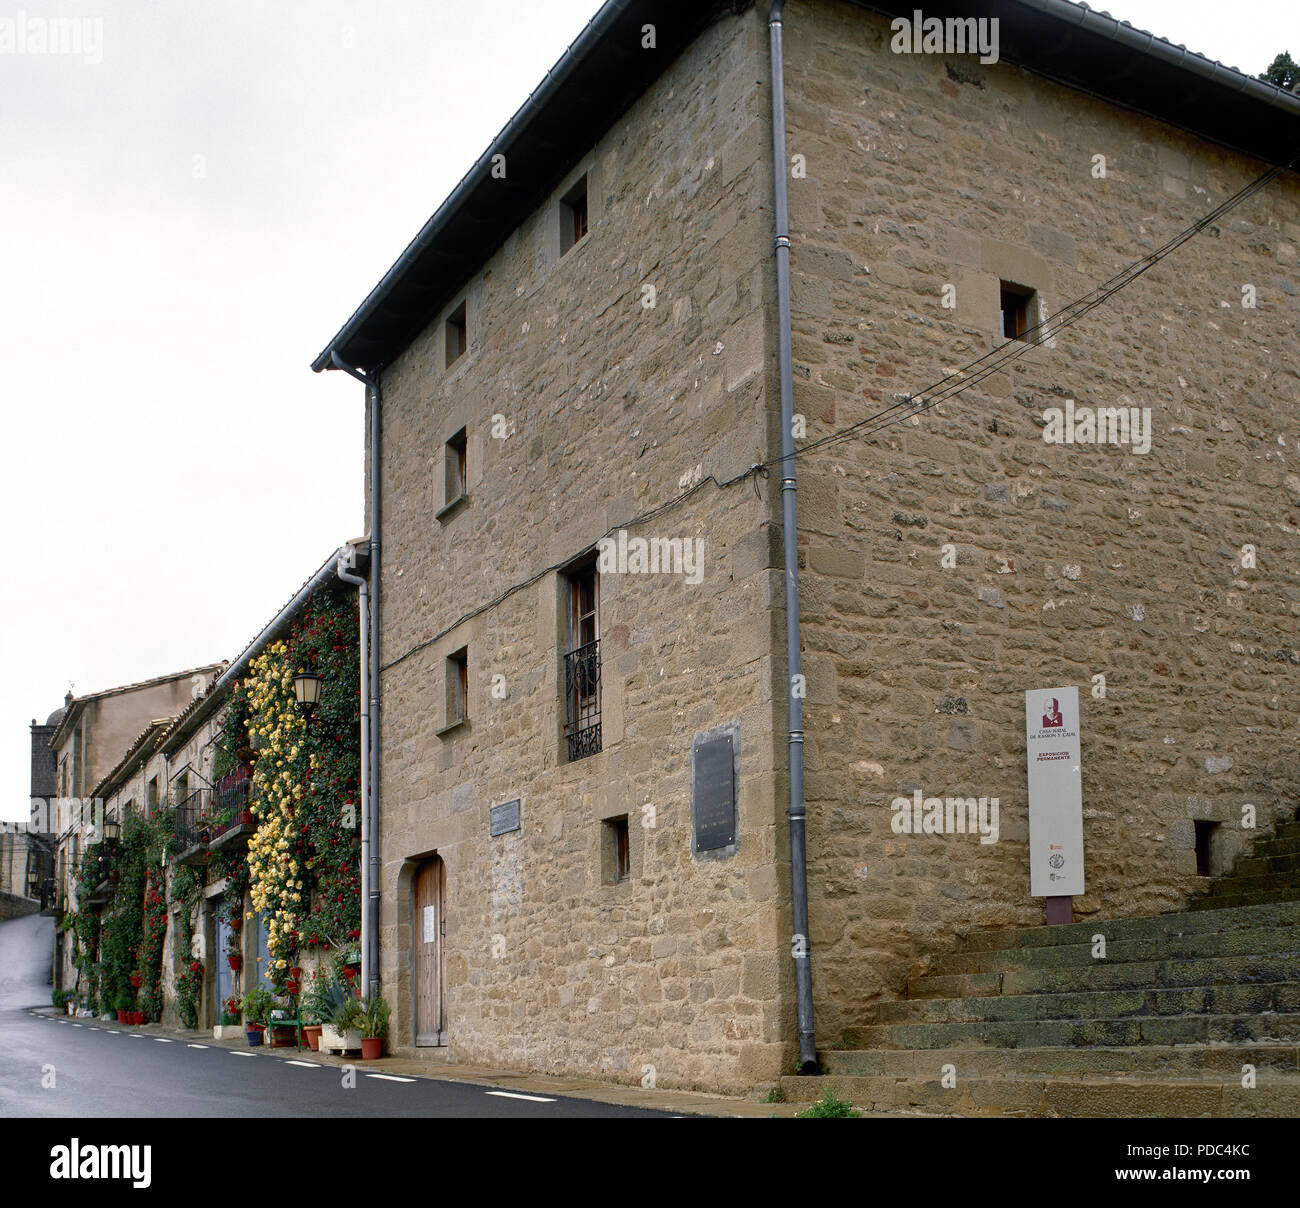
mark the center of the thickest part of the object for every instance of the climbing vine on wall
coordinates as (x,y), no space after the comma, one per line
(186,888)
(303,859)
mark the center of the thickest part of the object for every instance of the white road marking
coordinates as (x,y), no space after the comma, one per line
(136,1036)
(196,1046)
(530,1098)
(390,1078)
(162,1040)
(111,1032)
(78,1025)
(235,1053)
(307,1065)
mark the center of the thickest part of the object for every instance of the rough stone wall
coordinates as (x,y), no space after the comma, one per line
(609,408)
(16,906)
(1071,562)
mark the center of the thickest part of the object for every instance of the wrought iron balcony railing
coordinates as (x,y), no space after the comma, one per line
(582,700)
(192,819)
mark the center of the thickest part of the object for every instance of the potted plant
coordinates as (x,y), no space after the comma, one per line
(257,1005)
(372,1020)
(136,979)
(235,960)
(125,1007)
(341,1030)
(230,1023)
(319,1005)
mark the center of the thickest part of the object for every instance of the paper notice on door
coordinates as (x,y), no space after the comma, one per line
(430,924)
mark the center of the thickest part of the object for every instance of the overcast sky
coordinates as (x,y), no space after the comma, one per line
(183,224)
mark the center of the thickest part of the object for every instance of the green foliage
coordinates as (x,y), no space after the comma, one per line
(189,969)
(125,1001)
(828,1107)
(60,998)
(1283,71)
(325,997)
(257,1005)
(372,1019)
(775,1095)
(305,858)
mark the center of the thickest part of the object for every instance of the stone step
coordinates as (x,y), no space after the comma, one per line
(1285,830)
(1255,883)
(1280,997)
(1230,900)
(1264,864)
(1145,926)
(1175,1061)
(1274,966)
(1190,945)
(1073,1097)
(1066,1033)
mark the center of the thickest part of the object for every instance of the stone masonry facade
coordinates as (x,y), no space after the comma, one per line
(610,405)
(1071,562)
(947,564)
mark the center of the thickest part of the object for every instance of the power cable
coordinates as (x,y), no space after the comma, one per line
(946,387)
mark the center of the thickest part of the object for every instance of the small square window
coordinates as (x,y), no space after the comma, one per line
(1204,842)
(573,215)
(458,686)
(455,465)
(457,334)
(616,851)
(1018,307)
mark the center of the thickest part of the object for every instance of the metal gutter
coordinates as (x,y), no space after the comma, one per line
(278,625)
(1131,38)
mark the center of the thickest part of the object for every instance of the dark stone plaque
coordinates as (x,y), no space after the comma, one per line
(505,818)
(713,791)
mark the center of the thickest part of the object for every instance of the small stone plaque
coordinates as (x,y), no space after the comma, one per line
(505,818)
(713,792)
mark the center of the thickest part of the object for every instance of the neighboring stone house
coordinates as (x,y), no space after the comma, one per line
(88,743)
(588,328)
(180,768)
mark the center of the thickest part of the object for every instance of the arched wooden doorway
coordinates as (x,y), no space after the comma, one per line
(430,957)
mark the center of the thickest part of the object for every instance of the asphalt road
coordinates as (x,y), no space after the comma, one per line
(57,1067)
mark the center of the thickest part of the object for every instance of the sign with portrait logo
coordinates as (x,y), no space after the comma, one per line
(1055,792)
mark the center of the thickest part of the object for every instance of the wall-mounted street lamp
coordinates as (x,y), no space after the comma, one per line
(306,687)
(112,829)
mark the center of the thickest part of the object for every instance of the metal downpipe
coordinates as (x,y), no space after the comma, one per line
(373,399)
(363,591)
(797,814)
(370,869)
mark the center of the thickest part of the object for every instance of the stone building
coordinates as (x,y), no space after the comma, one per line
(181,772)
(27,848)
(575,876)
(88,744)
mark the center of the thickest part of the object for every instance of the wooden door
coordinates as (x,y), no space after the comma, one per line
(430,930)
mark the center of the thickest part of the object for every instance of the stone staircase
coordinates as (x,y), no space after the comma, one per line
(1029,1022)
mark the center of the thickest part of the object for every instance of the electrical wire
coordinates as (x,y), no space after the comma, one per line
(947,387)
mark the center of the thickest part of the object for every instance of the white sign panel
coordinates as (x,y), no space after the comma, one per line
(430,924)
(1055,793)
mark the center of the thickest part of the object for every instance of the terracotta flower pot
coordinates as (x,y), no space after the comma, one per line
(311,1033)
(372,1048)
(295,973)
(234,960)
(137,1017)
(121,1017)
(293,987)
